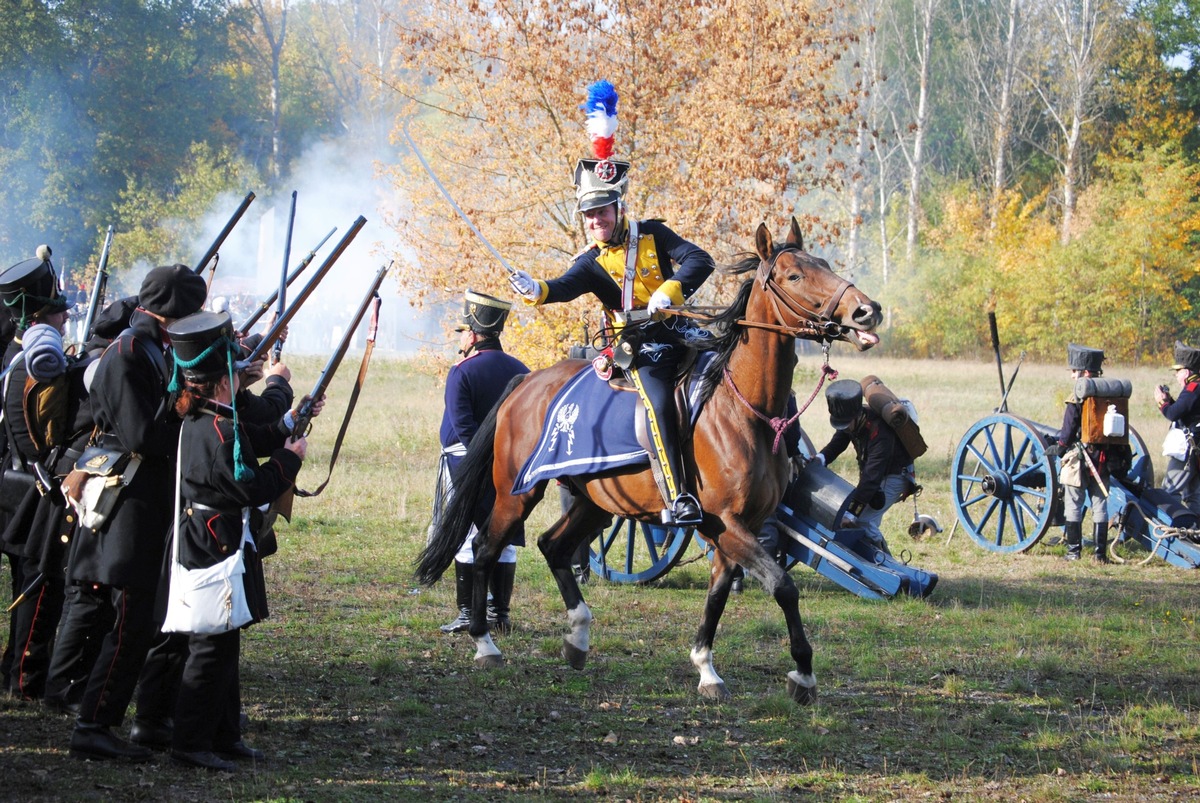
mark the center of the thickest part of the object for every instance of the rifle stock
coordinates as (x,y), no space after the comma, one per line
(98,288)
(217,243)
(244,329)
(281,323)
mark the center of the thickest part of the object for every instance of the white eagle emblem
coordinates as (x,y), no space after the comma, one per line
(565,422)
(654,351)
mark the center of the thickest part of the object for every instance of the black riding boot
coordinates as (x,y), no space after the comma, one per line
(1074,535)
(1101,535)
(685,508)
(503,575)
(463,586)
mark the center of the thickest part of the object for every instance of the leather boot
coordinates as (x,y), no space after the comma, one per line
(1101,536)
(684,508)
(91,741)
(503,575)
(464,574)
(1073,531)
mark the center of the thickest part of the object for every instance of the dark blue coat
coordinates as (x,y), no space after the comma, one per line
(472,389)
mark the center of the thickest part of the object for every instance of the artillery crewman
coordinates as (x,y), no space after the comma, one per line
(885,468)
(473,387)
(1181,477)
(1084,467)
(633,266)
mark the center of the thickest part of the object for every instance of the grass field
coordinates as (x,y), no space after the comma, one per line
(1021,678)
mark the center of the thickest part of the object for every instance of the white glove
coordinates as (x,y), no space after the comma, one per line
(848,521)
(658,302)
(818,458)
(524,284)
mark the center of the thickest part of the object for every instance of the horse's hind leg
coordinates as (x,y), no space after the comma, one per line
(508,513)
(558,544)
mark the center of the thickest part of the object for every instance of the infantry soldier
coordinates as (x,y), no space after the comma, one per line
(473,387)
(221,483)
(1181,477)
(632,266)
(134,414)
(40,405)
(1084,466)
(885,468)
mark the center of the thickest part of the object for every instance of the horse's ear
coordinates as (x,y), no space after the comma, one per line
(795,236)
(764,246)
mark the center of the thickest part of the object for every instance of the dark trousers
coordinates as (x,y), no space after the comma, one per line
(209,704)
(657,381)
(158,685)
(87,617)
(123,650)
(35,621)
(7,660)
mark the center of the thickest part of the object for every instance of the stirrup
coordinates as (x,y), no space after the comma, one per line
(685,510)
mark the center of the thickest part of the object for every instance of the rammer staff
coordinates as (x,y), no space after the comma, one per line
(266,305)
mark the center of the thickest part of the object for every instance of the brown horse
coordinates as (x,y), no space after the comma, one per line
(738,476)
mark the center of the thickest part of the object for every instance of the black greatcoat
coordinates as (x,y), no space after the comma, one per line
(211,533)
(131,406)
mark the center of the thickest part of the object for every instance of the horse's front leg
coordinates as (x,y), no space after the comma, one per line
(558,545)
(801,682)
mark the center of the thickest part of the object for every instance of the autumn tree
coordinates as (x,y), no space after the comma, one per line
(729,116)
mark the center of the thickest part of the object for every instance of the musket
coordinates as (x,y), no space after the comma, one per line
(281,303)
(101,284)
(281,322)
(217,243)
(266,305)
(303,415)
(450,199)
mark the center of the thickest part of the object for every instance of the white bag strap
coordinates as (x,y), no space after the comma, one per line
(631,255)
(178,492)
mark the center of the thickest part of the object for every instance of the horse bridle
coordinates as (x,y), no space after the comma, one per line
(809,323)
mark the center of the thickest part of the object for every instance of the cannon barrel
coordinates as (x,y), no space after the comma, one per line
(820,494)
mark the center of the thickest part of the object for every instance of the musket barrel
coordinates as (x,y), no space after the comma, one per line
(279,325)
(217,243)
(266,305)
(304,414)
(98,288)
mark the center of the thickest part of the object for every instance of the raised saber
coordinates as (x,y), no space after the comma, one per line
(450,200)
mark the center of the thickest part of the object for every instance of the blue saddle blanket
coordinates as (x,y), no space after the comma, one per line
(589,428)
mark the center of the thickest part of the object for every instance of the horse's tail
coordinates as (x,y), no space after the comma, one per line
(471,481)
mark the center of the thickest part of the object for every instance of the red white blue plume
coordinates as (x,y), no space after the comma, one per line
(601,108)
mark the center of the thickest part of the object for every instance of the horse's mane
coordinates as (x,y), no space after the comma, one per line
(724,326)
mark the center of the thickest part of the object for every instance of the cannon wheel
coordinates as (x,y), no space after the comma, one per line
(631,551)
(1004,484)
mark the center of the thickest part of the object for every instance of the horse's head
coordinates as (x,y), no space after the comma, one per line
(811,299)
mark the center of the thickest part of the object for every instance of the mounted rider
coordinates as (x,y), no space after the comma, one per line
(660,271)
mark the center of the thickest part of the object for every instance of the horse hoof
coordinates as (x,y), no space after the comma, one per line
(714,691)
(576,657)
(489,661)
(803,695)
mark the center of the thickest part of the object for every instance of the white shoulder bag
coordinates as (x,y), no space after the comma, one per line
(210,600)
(1175,445)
